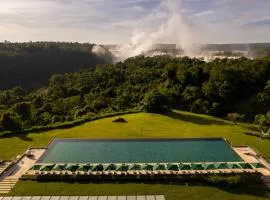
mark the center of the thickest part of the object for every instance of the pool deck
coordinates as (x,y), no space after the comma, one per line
(23,164)
(250,156)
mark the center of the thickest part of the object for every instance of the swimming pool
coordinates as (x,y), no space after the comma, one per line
(139,151)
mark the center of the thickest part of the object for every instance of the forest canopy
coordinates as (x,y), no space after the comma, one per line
(31,64)
(153,84)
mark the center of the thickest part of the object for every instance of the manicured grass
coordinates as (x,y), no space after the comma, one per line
(171,191)
(141,125)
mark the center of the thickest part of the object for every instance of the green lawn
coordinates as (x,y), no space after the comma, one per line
(141,125)
(171,191)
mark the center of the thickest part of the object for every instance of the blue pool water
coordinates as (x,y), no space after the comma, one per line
(139,151)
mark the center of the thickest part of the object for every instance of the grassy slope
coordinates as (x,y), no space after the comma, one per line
(178,124)
(171,191)
(141,125)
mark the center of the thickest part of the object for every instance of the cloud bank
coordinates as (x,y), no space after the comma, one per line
(116,21)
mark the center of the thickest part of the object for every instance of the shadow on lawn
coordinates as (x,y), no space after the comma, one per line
(194,119)
(248,189)
(253,129)
(257,190)
(22,136)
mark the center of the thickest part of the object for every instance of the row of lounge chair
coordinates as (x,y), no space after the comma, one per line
(119,169)
(142,172)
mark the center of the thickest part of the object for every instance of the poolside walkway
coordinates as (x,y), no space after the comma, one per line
(12,175)
(147,197)
(250,156)
(3,166)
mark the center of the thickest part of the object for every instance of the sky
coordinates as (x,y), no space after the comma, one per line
(117,21)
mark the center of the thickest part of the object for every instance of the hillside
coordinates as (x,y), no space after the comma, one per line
(152,84)
(31,64)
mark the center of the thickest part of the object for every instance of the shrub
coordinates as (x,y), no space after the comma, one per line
(56,119)
(223,181)
(120,120)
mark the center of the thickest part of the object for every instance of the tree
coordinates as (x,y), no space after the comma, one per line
(57,118)
(235,117)
(57,80)
(197,75)
(264,124)
(216,109)
(45,119)
(191,93)
(263,98)
(99,104)
(226,91)
(8,123)
(170,71)
(183,75)
(155,102)
(38,101)
(5,98)
(57,87)
(18,92)
(200,106)
(212,91)
(23,110)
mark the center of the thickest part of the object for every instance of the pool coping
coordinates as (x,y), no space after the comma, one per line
(54,141)
(137,139)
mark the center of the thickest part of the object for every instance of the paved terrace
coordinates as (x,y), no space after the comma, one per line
(250,156)
(12,175)
(23,165)
(148,197)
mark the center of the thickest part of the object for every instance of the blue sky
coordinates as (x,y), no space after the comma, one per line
(114,21)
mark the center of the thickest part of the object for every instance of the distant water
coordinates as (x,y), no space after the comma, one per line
(139,151)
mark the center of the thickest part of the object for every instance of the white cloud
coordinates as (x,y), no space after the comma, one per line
(114,21)
(204,13)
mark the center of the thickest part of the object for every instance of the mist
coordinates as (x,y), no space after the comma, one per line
(176,28)
(190,33)
(99,50)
